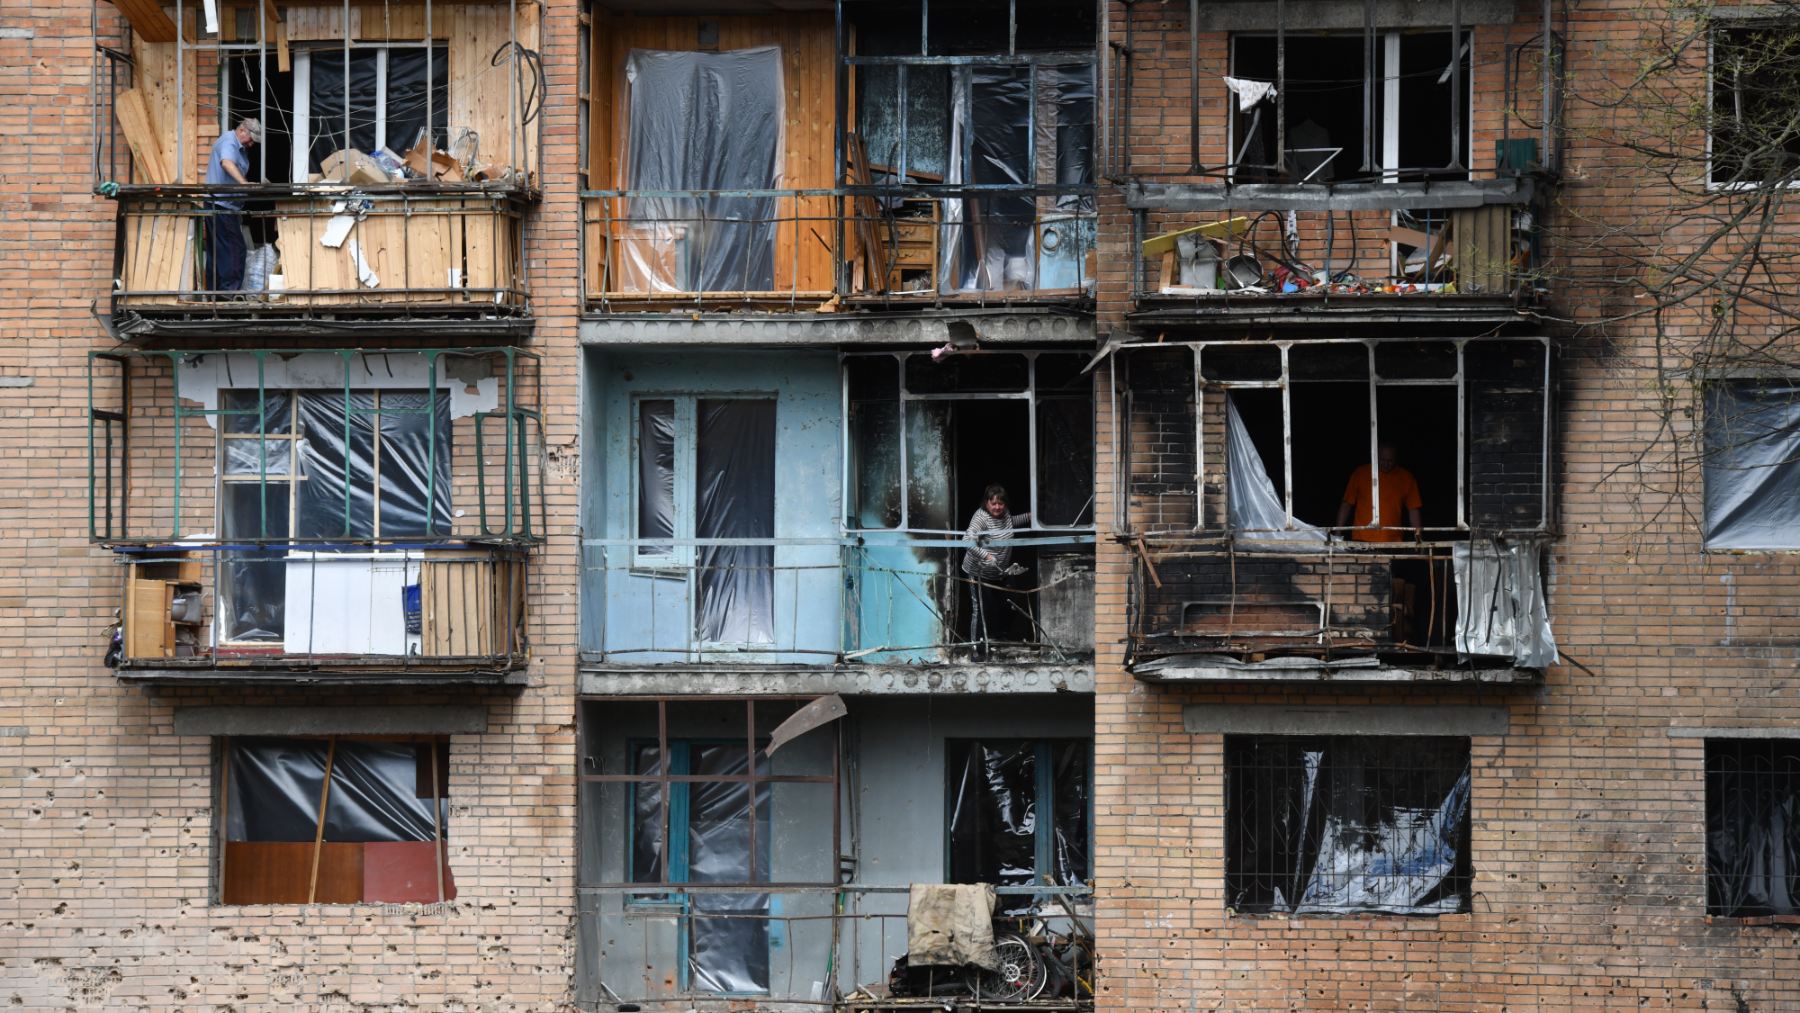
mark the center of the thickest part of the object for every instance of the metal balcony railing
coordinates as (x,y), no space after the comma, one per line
(816,947)
(871,246)
(877,600)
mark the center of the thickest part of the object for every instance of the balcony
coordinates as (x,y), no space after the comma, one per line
(1445,253)
(1337,509)
(869,248)
(382,166)
(859,608)
(366,614)
(444,261)
(348,516)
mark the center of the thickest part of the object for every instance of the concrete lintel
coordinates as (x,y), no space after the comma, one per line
(1371,719)
(857,680)
(814,329)
(1766,732)
(1315,15)
(1223,197)
(358,720)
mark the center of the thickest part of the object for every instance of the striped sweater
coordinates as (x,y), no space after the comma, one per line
(990,549)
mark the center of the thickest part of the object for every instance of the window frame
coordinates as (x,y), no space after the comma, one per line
(1464,868)
(678,562)
(1707,424)
(1386,133)
(1044,830)
(221,761)
(1284,383)
(300,159)
(1770,745)
(1030,395)
(1719,25)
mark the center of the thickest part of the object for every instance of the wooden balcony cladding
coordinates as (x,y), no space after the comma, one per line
(805,232)
(444,252)
(175,80)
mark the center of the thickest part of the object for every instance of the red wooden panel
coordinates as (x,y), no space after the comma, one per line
(396,872)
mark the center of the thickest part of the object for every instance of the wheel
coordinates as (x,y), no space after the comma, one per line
(1021,974)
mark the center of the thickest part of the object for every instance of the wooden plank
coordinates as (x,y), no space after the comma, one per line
(148,19)
(141,134)
(1230,228)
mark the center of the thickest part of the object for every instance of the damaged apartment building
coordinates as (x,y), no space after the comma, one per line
(549,513)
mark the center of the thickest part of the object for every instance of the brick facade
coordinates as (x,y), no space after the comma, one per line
(1588,833)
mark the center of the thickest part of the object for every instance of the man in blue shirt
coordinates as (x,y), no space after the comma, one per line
(229,164)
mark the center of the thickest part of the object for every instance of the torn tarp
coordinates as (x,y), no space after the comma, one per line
(1752,466)
(951,924)
(1500,603)
(1255,508)
(735,476)
(1347,824)
(1752,827)
(275,786)
(702,121)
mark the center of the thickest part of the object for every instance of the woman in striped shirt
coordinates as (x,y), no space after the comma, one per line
(988,563)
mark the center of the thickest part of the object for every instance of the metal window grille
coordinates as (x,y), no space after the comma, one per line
(1752,834)
(1347,824)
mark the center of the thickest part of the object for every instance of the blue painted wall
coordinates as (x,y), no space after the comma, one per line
(627,610)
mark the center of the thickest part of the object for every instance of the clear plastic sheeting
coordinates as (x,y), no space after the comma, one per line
(1343,825)
(344,468)
(1752,827)
(702,121)
(1752,466)
(1500,603)
(1255,508)
(736,495)
(1018,126)
(275,786)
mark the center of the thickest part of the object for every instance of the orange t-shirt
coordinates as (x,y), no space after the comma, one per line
(1399,492)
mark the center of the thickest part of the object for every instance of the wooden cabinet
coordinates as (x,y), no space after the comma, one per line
(165,610)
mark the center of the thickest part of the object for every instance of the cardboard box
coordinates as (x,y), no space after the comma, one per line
(353,166)
(444,169)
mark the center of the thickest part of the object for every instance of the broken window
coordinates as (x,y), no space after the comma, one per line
(1752,465)
(1347,824)
(926,434)
(1752,827)
(391,88)
(1353,107)
(1755,79)
(1018,118)
(717,832)
(702,122)
(1019,812)
(335,821)
(706,478)
(373,465)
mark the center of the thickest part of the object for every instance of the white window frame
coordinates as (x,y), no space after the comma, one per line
(302,98)
(679,561)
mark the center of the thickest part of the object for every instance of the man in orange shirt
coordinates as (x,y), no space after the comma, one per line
(1398,488)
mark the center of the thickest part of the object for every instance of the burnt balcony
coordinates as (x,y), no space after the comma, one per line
(442,260)
(1453,252)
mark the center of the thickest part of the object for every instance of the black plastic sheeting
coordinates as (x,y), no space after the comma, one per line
(735,475)
(275,786)
(728,933)
(1752,466)
(706,121)
(1753,827)
(656,475)
(1340,825)
(1005,795)
(406,98)
(1015,135)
